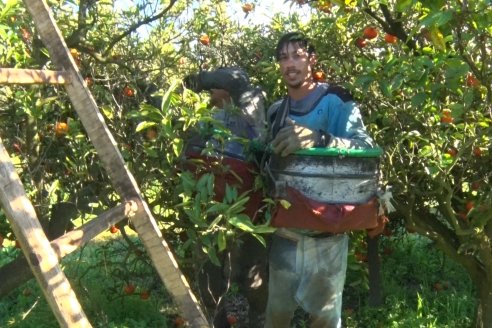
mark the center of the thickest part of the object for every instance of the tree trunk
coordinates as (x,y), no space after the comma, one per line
(484,310)
(112,160)
(375,298)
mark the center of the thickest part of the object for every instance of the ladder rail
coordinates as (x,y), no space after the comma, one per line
(66,244)
(32,76)
(113,162)
(42,259)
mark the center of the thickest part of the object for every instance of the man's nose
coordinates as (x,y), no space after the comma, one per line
(289,61)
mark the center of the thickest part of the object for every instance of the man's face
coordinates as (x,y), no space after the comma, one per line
(220,98)
(295,65)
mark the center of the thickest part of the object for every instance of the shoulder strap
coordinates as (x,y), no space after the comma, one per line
(284,108)
(280,116)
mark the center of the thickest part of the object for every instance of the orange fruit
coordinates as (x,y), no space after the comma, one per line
(89,81)
(129,289)
(231,319)
(26,35)
(360,43)
(472,81)
(205,40)
(370,32)
(145,295)
(76,55)
(151,134)
(446,119)
(247,7)
(389,38)
(61,129)
(452,151)
(129,92)
(325,7)
(319,76)
(179,322)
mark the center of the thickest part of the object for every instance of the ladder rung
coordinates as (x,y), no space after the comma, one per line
(32,76)
(74,239)
(67,244)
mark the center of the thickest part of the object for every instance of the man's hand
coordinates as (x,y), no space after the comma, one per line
(292,137)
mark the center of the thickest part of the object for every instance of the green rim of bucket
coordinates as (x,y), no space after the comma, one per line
(368,152)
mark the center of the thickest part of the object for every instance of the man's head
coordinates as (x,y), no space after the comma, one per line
(296,38)
(296,58)
(220,98)
(232,80)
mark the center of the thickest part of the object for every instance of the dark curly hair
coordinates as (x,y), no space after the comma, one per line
(296,38)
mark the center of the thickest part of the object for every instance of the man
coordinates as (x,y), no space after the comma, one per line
(308,268)
(238,106)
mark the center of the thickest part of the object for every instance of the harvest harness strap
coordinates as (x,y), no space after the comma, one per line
(284,109)
(279,122)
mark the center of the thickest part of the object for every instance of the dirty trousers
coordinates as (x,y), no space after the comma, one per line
(307,272)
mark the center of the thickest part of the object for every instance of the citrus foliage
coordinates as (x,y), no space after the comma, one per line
(420,69)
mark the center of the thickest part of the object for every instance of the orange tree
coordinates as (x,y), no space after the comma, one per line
(422,72)
(135,78)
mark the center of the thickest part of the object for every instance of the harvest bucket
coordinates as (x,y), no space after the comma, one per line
(329,175)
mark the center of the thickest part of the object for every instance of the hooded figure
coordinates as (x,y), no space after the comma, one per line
(240,106)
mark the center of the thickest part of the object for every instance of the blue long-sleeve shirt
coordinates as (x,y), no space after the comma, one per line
(334,113)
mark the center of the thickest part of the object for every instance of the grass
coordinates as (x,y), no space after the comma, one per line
(421,288)
(98,273)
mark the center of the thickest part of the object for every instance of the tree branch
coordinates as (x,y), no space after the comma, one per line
(427,225)
(135,26)
(392,26)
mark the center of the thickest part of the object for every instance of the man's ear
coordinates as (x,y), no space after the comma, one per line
(313,59)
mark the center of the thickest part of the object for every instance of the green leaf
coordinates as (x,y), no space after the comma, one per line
(107,111)
(260,239)
(242,222)
(188,181)
(203,182)
(230,194)
(364,81)
(218,208)
(144,125)
(212,255)
(456,68)
(468,98)
(166,98)
(238,206)
(397,82)
(418,100)
(403,5)
(215,222)
(177,146)
(285,204)
(437,18)
(221,240)
(264,228)
(385,88)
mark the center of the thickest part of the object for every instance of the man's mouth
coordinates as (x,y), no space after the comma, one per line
(291,74)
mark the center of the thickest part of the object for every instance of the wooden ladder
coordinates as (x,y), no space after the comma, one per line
(42,256)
